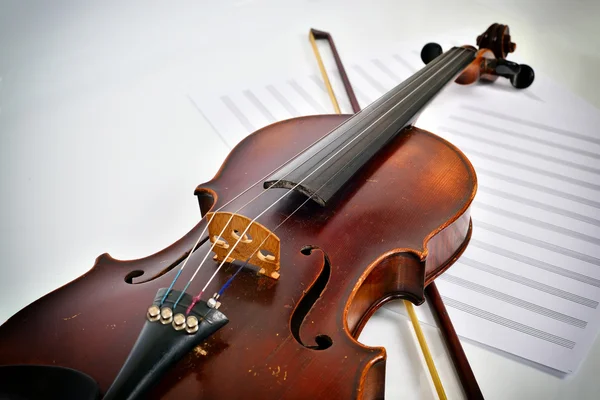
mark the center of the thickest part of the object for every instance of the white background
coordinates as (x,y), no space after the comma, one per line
(101,148)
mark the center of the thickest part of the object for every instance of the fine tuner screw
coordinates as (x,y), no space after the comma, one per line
(191,324)
(179,322)
(166,315)
(214,302)
(153,313)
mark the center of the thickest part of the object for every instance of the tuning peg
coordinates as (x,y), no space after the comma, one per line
(430,51)
(506,68)
(520,76)
(524,78)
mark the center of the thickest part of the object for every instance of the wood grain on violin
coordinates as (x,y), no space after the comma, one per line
(358,209)
(371,246)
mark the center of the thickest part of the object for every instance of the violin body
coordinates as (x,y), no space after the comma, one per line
(402,221)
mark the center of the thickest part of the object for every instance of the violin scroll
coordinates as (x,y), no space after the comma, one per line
(497,39)
(494,45)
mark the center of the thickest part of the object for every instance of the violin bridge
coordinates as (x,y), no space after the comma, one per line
(267,257)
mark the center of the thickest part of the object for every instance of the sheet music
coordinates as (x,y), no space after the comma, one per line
(529,282)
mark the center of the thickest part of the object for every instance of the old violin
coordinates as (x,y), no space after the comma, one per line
(310,226)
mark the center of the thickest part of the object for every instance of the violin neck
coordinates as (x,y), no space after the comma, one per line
(325,167)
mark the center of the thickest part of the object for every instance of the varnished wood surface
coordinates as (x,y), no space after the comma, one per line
(478,69)
(399,224)
(459,358)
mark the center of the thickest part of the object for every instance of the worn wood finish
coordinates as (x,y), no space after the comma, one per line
(401,222)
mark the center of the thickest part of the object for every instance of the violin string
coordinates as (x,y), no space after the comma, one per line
(221,234)
(370,111)
(241,267)
(196,298)
(231,218)
(230,280)
(239,209)
(228,283)
(338,111)
(213,246)
(409,307)
(357,117)
(242,235)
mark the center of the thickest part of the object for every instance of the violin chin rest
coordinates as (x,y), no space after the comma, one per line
(25,382)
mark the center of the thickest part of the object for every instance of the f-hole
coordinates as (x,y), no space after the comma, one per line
(307,302)
(132,275)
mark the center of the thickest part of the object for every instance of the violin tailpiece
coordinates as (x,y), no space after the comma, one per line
(166,337)
(249,240)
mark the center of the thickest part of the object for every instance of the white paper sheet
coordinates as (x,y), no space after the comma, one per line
(529,282)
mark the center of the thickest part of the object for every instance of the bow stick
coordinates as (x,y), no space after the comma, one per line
(315,34)
(459,358)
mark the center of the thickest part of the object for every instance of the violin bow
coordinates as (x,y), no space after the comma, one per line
(313,36)
(459,358)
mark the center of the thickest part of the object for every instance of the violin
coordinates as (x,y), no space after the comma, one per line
(310,225)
